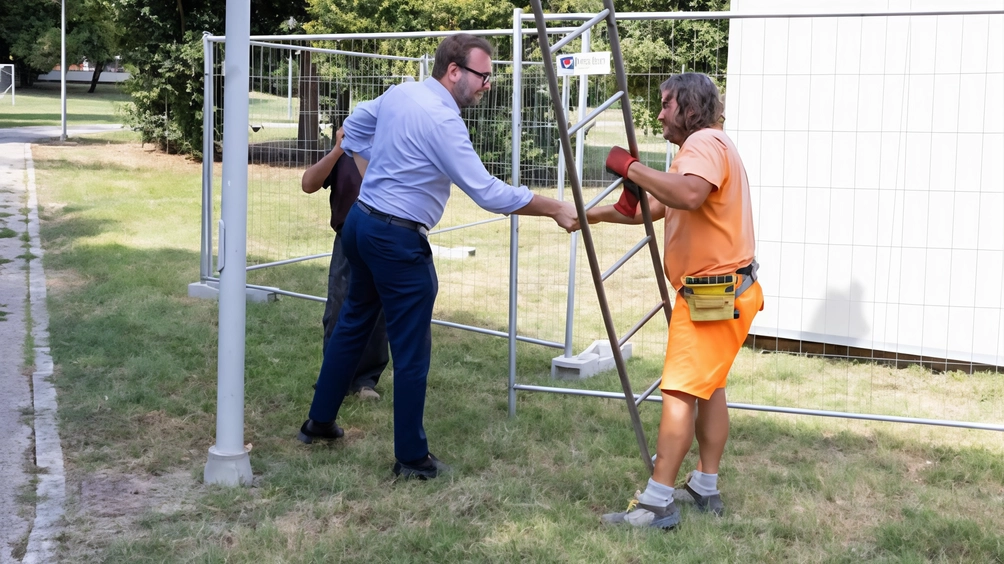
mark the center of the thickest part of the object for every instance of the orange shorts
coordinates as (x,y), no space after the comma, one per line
(700,354)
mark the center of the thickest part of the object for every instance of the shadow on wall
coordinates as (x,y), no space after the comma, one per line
(842,314)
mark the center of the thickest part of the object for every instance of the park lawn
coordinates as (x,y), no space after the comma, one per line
(135,372)
(40,105)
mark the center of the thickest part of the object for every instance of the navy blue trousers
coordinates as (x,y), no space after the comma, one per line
(375,355)
(392,270)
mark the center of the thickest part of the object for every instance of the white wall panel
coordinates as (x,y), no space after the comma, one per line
(875,151)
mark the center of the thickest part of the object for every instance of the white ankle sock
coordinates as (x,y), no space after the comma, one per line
(704,484)
(656,494)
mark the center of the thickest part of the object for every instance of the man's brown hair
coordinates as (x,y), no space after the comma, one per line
(457,49)
(697,97)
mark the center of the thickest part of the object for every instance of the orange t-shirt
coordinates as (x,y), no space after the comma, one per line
(716,238)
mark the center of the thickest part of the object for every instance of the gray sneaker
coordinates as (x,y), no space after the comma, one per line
(643,515)
(704,503)
(367,393)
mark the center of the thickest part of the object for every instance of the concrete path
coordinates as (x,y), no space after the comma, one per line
(16,446)
(36,133)
(30,514)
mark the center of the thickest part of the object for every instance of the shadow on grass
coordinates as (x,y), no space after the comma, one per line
(104,167)
(75,90)
(116,137)
(63,229)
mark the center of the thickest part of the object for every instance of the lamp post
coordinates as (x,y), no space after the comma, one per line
(62,66)
(228,462)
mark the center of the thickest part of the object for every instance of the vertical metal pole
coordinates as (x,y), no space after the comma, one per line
(228,462)
(208,152)
(289,89)
(62,67)
(517,135)
(566,90)
(573,241)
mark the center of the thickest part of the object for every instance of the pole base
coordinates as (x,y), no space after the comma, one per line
(211,291)
(228,469)
(598,357)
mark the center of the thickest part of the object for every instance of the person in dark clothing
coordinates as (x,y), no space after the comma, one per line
(337,171)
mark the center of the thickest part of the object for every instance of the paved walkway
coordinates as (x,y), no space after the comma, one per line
(29,439)
(16,445)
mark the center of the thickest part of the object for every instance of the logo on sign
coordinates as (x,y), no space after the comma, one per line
(583,63)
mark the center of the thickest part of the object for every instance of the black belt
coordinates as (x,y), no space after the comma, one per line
(746,270)
(393,220)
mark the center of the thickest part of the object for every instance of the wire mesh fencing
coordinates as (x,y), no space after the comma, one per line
(875,170)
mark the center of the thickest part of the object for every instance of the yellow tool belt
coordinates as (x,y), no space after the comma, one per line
(713,298)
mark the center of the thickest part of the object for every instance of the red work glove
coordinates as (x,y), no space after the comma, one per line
(618,161)
(627,205)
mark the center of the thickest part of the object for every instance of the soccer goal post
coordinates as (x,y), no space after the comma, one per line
(7,82)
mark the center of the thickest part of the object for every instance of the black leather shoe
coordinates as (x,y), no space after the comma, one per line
(325,431)
(425,470)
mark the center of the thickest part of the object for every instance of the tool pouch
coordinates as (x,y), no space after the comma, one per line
(710,298)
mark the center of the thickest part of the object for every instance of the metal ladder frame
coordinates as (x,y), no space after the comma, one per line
(581,207)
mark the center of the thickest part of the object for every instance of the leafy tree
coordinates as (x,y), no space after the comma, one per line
(164,53)
(31,35)
(651,51)
(21,25)
(367,16)
(91,33)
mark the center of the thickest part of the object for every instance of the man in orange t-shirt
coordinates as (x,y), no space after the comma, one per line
(705,199)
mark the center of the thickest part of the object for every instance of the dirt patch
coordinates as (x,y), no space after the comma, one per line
(108,494)
(132,156)
(66,280)
(109,506)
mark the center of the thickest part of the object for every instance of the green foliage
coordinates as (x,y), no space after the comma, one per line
(22,24)
(167,102)
(164,51)
(362,16)
(30,32)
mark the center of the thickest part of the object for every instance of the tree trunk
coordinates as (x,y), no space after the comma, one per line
(306,130)
(25,75)
(94,77)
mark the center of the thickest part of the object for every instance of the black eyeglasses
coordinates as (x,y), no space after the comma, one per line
(486,77)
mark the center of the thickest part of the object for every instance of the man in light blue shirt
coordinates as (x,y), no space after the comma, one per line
(411,145)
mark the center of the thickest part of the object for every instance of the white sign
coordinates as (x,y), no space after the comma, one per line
(583,63)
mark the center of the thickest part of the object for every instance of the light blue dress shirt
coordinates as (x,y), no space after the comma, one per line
(417,144)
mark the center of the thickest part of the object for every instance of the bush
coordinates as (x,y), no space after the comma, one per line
(166,90)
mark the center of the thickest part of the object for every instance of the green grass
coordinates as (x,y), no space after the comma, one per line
(135,366)
(40,105)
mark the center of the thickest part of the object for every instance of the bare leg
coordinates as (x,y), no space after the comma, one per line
(676,434)
(712,429)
